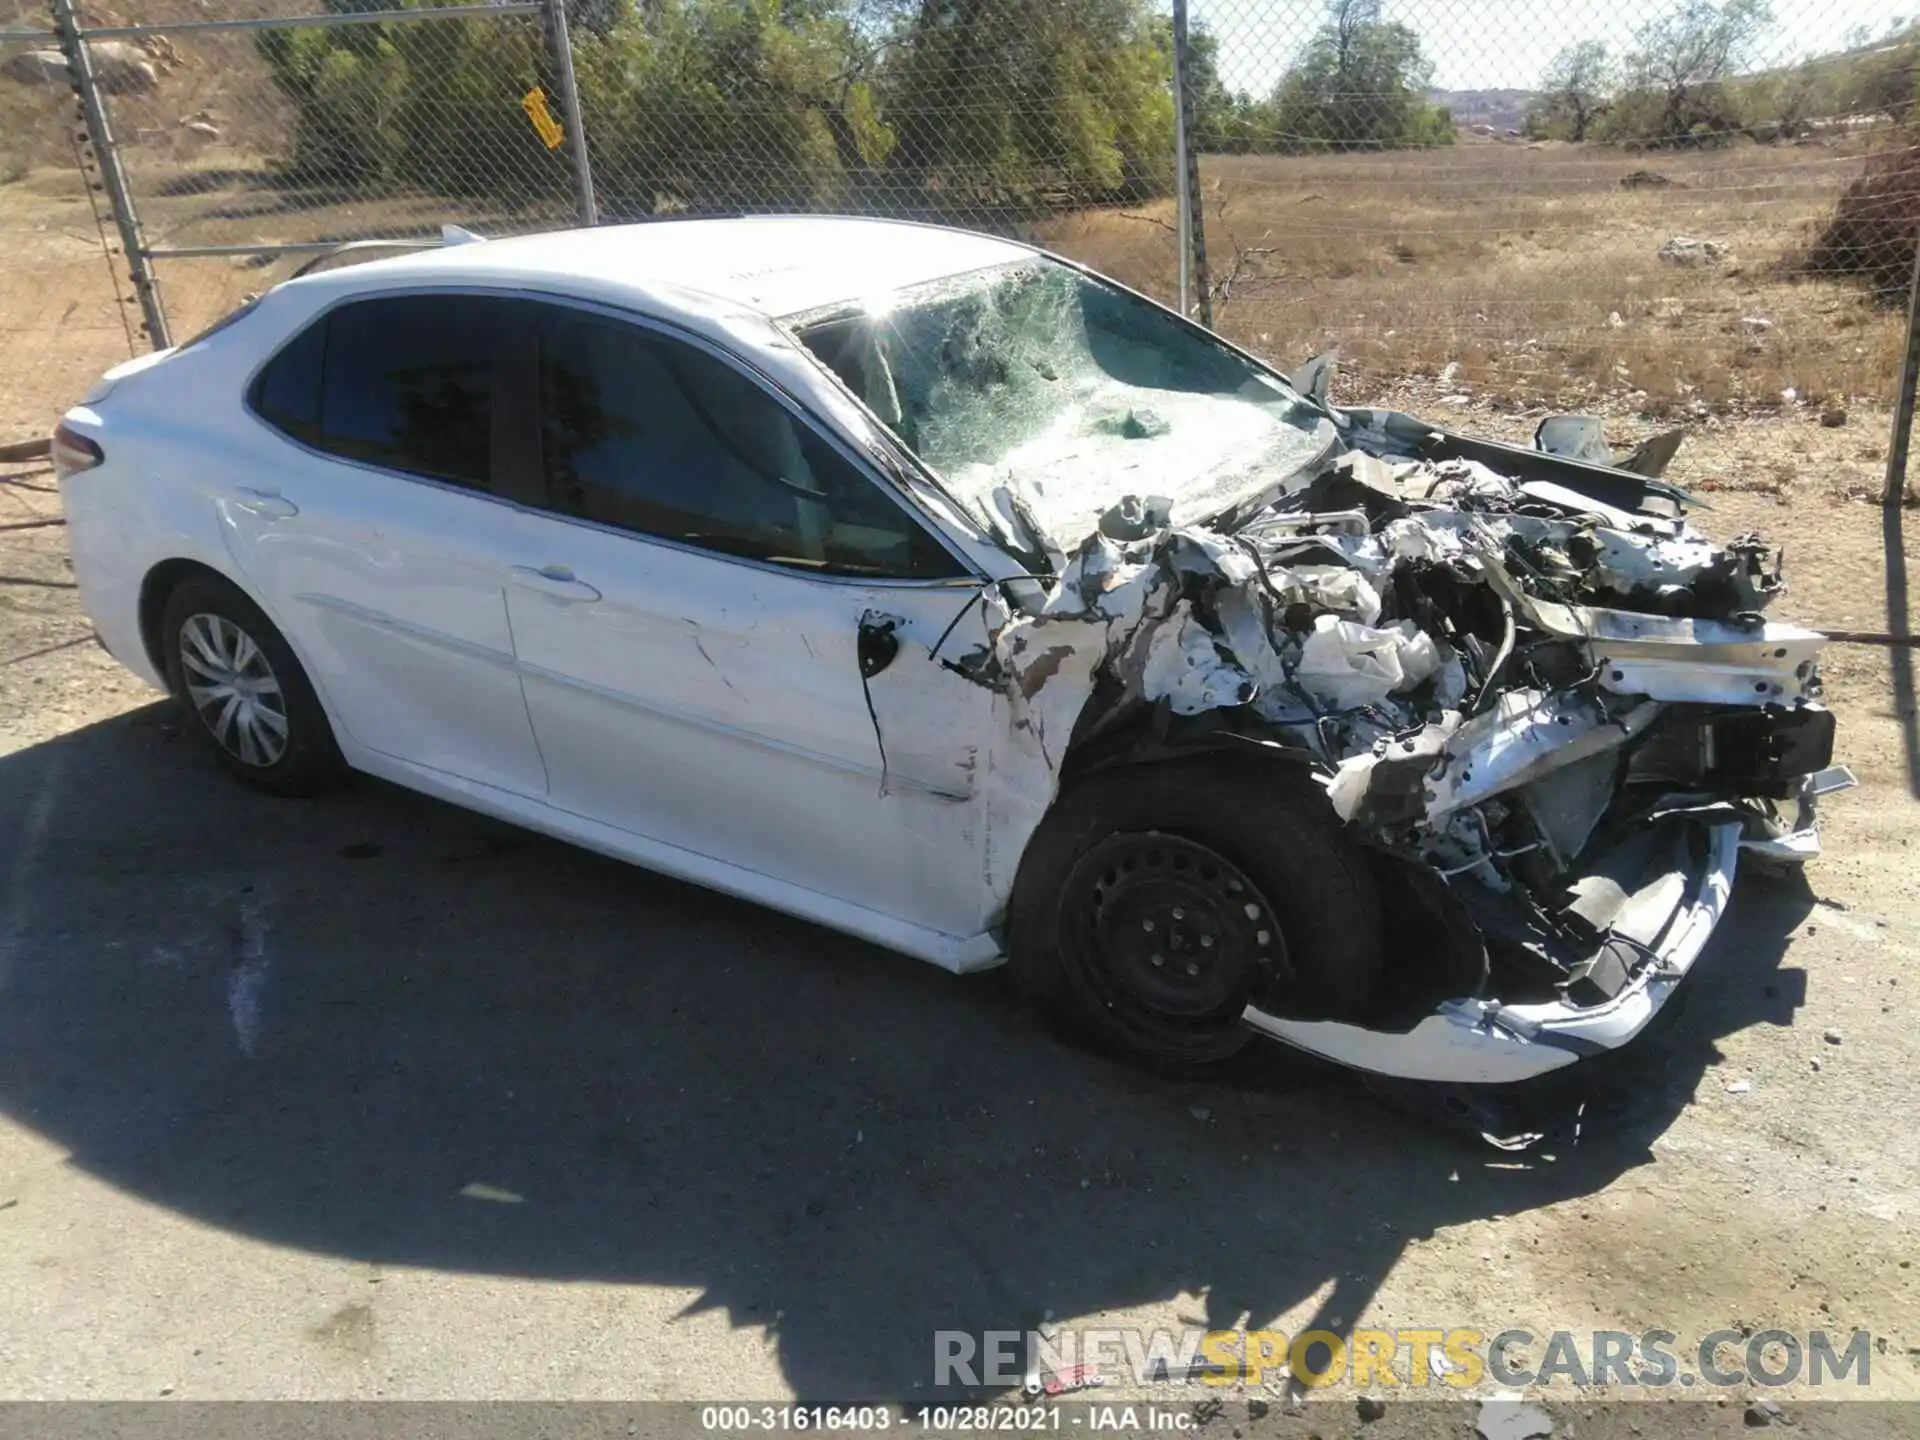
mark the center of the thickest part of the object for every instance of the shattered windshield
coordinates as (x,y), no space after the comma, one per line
(1070,393)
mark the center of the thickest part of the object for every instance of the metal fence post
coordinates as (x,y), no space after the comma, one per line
(1895,491)
(585,205)
(1196,292)
(1182,192)
(113,178)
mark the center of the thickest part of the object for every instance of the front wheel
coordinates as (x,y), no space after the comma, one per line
(1156,901)
(251,701)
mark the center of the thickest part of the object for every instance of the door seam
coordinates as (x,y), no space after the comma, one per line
(520,681)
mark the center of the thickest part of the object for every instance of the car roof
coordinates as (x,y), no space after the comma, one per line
(777,265)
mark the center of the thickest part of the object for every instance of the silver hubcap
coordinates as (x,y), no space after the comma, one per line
(233,689)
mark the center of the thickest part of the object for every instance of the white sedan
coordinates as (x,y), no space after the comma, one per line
(937,590)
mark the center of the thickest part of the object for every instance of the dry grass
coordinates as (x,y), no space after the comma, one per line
(1532,270)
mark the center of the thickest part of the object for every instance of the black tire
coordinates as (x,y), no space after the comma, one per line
(1100,882)
(302,761)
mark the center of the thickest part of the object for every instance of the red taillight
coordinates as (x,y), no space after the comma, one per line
(73,452)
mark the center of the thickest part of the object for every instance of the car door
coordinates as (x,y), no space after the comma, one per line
(690,631)
(370,518)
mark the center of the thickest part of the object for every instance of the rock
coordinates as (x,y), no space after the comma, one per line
(1370,1408)
(1833,417)
(1257,1409)
(1507,1417)
(1615,320)
(1687,250)
(1762,1413)
(1739,1087)
(1644,180)
(37,67)
(122,69)
(1832,1037)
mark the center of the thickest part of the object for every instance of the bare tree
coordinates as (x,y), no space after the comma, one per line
(1575,89)
(1684,56)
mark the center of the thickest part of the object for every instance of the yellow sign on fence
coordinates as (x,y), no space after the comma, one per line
(534,102)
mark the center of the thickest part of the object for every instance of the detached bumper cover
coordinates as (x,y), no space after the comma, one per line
(1799,841)
(1487,1042)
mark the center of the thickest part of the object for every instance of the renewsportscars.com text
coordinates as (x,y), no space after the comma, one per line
(1457,1358)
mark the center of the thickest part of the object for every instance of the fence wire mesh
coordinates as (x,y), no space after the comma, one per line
(1674,206)
(1668,207)
(62,316)
(315,135)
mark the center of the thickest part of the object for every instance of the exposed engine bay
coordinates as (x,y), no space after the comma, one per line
(1549,708)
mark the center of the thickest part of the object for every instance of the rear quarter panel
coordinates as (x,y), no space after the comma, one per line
(172,429)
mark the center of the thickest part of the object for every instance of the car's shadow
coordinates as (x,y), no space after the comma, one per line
(320,1023)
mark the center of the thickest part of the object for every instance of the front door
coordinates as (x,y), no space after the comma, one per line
(689,627)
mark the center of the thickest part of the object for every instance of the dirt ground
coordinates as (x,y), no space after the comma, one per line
(1531,273)
(369,1097)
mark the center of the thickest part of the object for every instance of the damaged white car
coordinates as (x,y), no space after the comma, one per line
(935,589)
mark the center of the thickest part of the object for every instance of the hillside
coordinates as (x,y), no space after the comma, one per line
(1501,109)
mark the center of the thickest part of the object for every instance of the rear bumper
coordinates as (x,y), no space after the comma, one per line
(1486,1042)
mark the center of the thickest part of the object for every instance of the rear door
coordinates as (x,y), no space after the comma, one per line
(375,516)
(689,625)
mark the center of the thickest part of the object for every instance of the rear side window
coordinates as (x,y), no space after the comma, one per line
(287,394)
(406,383)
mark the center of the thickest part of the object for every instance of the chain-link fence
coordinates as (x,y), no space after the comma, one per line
(62,316)
(1645,203)
(249,144)
(1665,207)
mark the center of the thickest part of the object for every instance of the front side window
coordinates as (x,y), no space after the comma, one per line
(404,382)
(658,436)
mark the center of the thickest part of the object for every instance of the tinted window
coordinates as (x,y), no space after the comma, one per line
(658,436)
(408,383)
(287,394)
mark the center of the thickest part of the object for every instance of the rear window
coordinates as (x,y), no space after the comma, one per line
(404,382)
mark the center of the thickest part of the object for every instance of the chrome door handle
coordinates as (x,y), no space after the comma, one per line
(267,504)
(553,580)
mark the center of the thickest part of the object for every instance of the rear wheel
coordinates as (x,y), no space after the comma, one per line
(1156,902)
(250,700)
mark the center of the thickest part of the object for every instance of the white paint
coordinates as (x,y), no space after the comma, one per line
(247,981)
(479,1190)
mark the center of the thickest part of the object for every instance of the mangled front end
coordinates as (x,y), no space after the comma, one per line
(1549,709)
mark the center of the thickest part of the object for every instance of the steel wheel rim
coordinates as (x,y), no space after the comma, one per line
(1173,933)
(233,690)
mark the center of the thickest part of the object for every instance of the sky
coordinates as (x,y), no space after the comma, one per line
(1497,44)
